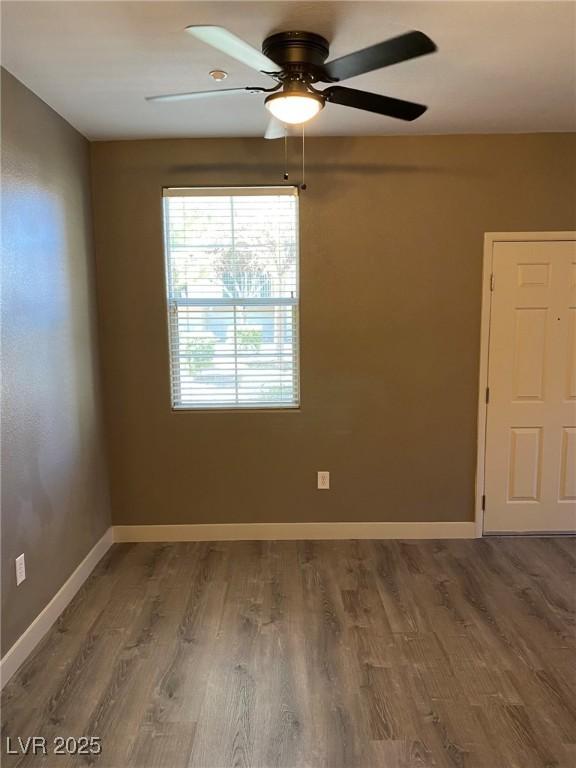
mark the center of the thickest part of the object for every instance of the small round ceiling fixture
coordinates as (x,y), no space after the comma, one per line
(218,74)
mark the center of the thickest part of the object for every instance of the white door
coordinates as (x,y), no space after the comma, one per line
(530,466)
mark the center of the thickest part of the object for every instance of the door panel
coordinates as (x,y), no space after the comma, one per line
(530,468)
(529,353)
(571,356)
(568,466)
(524,484)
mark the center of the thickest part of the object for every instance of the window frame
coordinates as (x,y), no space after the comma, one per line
(171,304)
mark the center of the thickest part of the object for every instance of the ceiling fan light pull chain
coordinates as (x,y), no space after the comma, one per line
(303,185)
(285,155)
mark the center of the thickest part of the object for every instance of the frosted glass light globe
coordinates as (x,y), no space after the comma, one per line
(294,109)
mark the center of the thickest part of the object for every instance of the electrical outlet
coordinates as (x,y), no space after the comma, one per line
(324,481)
(20,569)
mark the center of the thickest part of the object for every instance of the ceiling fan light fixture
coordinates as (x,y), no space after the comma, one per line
(295,60)
(294,108)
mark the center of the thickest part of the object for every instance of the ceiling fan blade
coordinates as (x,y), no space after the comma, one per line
(233,46)
(275,129)
(392,51)
(201,94)
(374,102)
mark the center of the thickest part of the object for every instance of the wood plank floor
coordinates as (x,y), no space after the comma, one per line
(347,654)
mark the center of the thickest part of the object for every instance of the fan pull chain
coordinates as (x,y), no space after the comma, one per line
(285,154)
(303,185)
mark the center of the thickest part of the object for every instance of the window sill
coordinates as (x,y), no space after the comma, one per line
(241,409)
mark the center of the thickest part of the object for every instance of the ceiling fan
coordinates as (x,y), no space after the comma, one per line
(297,60)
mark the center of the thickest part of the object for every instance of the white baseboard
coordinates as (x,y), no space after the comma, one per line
(293,531)
(26,643)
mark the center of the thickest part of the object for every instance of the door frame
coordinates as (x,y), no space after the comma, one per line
(490,238)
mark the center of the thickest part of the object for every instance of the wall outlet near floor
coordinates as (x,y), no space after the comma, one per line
(20,569)
(324,481)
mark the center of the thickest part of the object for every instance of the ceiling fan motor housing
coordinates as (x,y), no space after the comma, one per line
(297,52)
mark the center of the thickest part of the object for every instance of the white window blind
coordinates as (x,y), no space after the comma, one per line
(232,282)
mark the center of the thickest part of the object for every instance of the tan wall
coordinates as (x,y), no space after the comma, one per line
(54,488)
(391,255)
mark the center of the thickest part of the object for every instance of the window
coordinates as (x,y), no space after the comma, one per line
(232,283)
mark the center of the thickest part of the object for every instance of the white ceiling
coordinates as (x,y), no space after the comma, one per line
(501,66)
